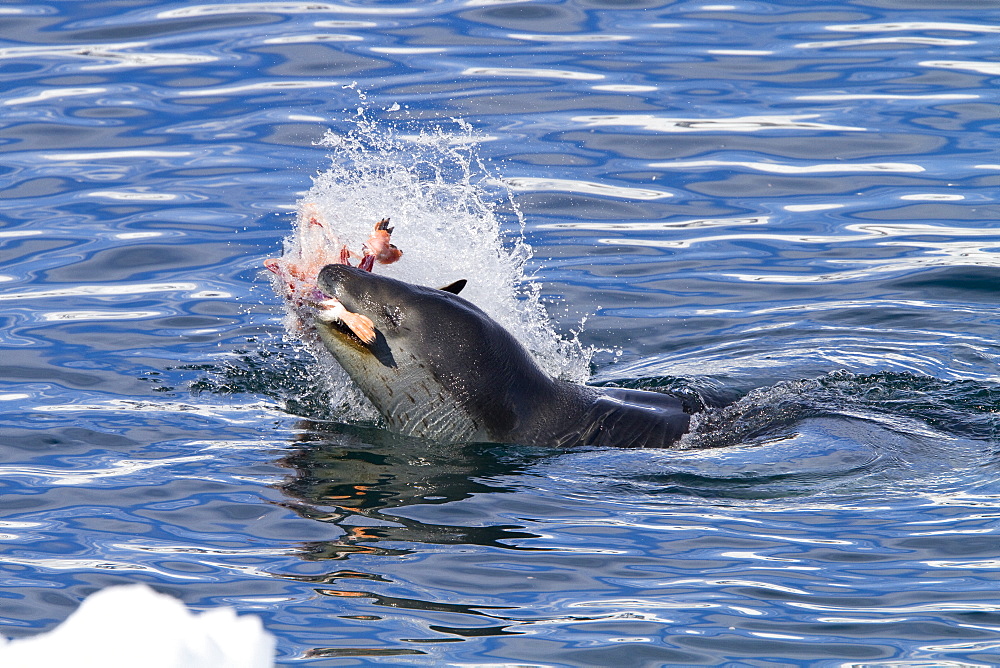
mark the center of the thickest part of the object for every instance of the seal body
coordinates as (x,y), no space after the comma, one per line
(440,368)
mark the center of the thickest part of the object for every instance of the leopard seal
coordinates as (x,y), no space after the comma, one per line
(440,368)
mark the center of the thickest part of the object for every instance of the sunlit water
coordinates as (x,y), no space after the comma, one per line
(784,208)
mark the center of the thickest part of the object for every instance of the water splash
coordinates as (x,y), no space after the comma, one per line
(445,205)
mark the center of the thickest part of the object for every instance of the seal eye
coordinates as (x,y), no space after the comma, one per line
(393,315)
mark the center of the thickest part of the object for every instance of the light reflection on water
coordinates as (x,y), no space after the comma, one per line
(737,124)
(739,198)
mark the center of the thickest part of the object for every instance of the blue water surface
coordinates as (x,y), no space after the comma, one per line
(789,205)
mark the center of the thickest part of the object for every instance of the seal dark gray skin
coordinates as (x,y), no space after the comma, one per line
(440,368)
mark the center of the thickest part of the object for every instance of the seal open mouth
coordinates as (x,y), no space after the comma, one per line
(337,325)
(358,295)
(380,301)
(312,247)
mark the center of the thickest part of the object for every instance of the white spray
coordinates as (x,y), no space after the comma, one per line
(443,204)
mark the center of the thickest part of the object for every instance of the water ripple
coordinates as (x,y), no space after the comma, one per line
(78,476)
(879,41)
(117,53)
(735,124)
(571,38)
(743,198)
(280,8)
(531,72)
(777,168)
(254,88)
(100,290)
(974,66)
(590,188)
(900,26)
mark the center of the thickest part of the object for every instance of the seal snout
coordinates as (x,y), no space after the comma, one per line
(333,277)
